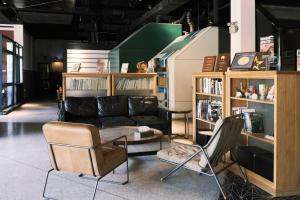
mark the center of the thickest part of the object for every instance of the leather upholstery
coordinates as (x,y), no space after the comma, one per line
(78,106)
(112,106)
(151,121)
(77,148)
(142,105)
(117,111)
(116,121)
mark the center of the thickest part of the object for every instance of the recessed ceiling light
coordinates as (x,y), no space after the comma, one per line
(4,2)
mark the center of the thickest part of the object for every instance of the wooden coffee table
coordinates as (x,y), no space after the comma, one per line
(107,134)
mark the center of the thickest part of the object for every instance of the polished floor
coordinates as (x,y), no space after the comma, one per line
(24,164)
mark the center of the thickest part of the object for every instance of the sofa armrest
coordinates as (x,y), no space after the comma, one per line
(61,111)
(164,113)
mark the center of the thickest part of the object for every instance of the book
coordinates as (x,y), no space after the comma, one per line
(209,63)
(298,60)
(254,122)
(223,62)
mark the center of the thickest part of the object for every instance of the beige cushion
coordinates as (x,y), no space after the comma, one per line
(179,153)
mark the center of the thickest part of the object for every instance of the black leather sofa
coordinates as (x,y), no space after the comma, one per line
(112,111)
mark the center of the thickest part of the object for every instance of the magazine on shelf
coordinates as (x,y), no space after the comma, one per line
(209,110)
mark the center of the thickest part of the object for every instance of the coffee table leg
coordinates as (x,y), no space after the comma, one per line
(160,144)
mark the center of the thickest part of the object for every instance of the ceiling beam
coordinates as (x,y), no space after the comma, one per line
(162,8)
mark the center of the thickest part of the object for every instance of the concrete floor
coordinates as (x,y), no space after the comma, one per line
(24,163)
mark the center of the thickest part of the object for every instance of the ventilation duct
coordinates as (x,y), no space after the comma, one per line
(189,20)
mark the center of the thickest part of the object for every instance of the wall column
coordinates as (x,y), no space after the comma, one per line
(243,12)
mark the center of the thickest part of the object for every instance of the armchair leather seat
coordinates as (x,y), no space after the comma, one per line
(116,121)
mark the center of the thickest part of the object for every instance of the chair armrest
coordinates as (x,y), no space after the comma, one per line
(115,140)
(164,113)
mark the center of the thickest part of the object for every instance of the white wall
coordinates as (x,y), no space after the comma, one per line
(17,29)
(243,12)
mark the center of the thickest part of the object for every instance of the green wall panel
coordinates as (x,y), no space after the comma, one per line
(143,44)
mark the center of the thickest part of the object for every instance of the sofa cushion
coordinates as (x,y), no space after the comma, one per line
(152,121)
(116,121)
(81,106)
(112,106)
(85,120)
(142,105)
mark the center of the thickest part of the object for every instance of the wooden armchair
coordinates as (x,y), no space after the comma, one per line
(77,148)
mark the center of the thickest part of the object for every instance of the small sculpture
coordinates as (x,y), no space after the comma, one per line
(262,88)
(248,93)
(271,94)
(254,95)
(238,93)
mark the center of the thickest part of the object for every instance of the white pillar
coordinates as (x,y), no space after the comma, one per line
(243,12)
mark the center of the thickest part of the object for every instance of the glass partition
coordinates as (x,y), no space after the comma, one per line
(11,80)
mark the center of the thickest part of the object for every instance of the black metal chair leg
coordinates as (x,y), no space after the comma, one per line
(95,190)
(46,182)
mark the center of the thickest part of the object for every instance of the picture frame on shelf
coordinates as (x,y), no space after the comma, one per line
(209,63)
(223,62)
(243,61)
(102,66)
(76,67)
(124,68)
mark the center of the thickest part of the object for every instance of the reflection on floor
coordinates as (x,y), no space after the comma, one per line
(24,163)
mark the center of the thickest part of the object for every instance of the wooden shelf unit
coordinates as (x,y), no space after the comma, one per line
(87,90)
(286,122)
(199,94)
(134,89)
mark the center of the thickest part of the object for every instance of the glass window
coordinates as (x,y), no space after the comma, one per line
(21,70)
(9,70)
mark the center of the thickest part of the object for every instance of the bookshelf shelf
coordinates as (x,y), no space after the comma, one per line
(258,136)
(281,118)
(252,100)
(202,92)
(207,94)
(206,121)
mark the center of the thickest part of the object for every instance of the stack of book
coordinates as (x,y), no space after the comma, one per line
(209,110)
(86,84)
(211,86)
(253,122)
(133,83)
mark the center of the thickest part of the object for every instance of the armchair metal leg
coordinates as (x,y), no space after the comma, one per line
(241,170)
(95,190)
(179,166)
(215,176)
(46,182)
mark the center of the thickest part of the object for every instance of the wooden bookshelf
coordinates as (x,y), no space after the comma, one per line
(79,84)
(134,83)
(198,94)
(283,117)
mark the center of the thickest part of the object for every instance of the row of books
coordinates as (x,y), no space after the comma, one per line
(133,83)
(86,84)
(211,86)
(209,110)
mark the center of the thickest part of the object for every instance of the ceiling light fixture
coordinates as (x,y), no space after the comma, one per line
(4,2)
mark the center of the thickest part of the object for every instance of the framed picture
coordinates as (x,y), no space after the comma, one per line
(223,62)
(102,65)
(209,63)
(76,67)
(243,61)
(124,68)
